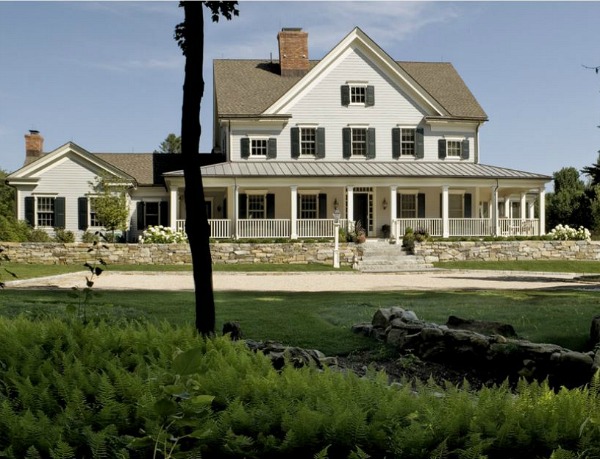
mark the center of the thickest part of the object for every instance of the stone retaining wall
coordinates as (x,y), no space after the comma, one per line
(508,250)
(169,254)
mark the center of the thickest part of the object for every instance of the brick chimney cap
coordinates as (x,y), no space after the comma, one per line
(291,29)
(34,131)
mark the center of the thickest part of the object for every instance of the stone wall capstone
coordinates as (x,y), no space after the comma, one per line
(172,254)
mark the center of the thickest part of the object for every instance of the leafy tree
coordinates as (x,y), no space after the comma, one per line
(110,203)
(172,144)
(565,205)
(190,38)
(7,196)
(593,172)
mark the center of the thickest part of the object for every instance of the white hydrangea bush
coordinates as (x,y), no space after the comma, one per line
(566,233)
(162,235)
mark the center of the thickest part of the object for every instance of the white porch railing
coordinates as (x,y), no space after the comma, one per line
(219,228)
(267,228)
(470,226)
(432,225)
(519,227)
(321,227)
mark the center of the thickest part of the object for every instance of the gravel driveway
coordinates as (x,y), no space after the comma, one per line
(314,282)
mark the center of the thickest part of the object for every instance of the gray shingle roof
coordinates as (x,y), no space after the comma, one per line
(148,168)
(249,87)
(362,169)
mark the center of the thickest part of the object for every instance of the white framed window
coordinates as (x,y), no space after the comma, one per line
(455,205)
(308,141)
(407,141)
(258,147)
(256,206)
(407,205)
(358,94)
(453,148)
(309,206)
(359,141)
(92,217)
(45,211)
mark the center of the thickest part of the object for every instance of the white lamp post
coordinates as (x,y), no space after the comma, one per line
(336,237)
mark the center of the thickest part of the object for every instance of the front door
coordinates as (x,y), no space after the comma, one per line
(361,210)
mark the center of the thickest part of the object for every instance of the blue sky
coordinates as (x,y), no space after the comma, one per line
(108,75)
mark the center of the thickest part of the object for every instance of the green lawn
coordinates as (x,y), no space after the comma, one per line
(322,320)
(565,266)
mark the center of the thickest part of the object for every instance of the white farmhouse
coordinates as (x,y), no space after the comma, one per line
(389,144)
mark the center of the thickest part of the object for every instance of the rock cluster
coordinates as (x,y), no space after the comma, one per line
(493,354)
(298,357)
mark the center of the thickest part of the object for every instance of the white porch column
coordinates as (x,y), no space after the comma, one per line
(542,211)
(173,207)
(393,212)
(294,211)
(495,222)
(236,211)
(507,208)
(350,209)
(531,209)
(523,206)
(445,219)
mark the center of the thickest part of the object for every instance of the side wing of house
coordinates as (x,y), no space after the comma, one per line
(56,190)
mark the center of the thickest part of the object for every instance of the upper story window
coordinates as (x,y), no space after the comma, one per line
(407,142)
(453,148)
(258,147)
(358,142)
(307,142)
(359,93)
(45,211)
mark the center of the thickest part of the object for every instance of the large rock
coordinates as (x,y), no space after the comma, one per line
(482,326)
(595,331)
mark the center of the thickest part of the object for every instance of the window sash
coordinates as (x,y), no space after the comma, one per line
(152,214)
(309,206)
(455,206)
(256,206)
(45,211)
(407,205)
(258,147)
(308,141)
(453,148)
(358,94)
(92,217)
(359,142)
(407,142)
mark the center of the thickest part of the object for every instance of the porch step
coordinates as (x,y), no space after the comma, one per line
(383,257)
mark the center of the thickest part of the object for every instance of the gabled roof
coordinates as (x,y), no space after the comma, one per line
(250,87)
(142,168)
(407,169)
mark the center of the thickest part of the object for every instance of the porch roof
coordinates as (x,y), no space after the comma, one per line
(361,169)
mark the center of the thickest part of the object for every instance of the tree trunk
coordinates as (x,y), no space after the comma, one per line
(196,224)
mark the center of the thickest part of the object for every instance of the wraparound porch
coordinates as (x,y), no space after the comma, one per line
(324,228)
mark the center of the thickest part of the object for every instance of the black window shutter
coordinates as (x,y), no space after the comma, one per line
(419,143)
(140,210)
(295,142)
(441,148)
(398,204)
(347,142)
(468,212)
(421,205)
(224,208)
(164,213)
(245,147)
(270,205)
(59,212)
(82,211)
(345,95)
(30,210)
(396,143)
(272,148)
(371,143)
(370,99)
(322,205)
(464,151)
(243,209)
(320,143)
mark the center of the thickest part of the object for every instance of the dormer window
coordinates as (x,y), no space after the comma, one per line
(358,93)
(453,148)
(258,147)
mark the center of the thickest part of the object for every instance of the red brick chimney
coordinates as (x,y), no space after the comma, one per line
(293,52)
(34,147)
